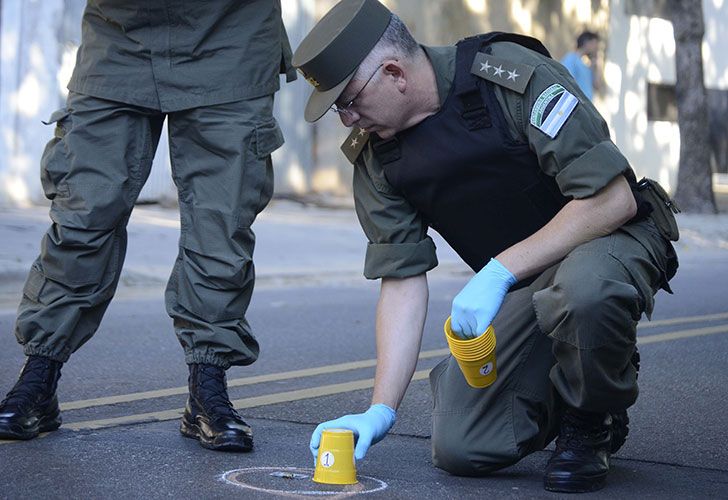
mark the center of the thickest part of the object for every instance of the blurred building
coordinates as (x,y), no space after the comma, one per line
(39,39)
(640,104)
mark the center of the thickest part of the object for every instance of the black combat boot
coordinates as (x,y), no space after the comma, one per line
(31,406)
(209,416)
(583,447)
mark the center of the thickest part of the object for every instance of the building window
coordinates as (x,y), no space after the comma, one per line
(661,102)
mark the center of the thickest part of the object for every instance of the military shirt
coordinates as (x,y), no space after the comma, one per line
(581,157)
(179,54)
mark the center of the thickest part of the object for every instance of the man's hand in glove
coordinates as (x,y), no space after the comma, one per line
(474,308)
(369,428)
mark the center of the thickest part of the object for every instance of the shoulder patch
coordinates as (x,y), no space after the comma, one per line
(514,76)
(552,108)
(354,144)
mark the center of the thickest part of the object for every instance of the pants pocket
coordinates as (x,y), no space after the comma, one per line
(259,174)
(34,284)
(54,161)
(266,138)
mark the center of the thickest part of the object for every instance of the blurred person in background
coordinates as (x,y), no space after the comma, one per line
(210,69)
(583,63)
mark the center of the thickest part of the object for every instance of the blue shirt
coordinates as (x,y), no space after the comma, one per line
(581,72)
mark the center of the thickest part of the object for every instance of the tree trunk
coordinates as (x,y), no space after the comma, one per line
(694,191)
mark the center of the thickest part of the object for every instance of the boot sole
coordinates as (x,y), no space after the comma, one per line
(236,444)
(18,433)
(575,485)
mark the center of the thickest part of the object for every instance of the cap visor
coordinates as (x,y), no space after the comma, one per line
(320,102)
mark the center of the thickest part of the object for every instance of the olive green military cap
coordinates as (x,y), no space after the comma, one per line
(331,53)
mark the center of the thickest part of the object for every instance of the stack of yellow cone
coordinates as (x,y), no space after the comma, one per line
(475,357)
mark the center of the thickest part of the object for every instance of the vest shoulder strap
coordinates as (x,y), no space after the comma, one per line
(354,144)
(500,36)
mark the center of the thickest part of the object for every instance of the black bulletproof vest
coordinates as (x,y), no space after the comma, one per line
(476,187)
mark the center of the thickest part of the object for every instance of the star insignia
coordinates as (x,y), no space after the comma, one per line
(354,142)
(510,74)
(362,131)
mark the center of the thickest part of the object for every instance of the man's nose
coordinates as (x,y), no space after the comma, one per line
(349,118)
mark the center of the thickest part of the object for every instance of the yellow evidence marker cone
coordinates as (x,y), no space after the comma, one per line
(335,462)
(476,357)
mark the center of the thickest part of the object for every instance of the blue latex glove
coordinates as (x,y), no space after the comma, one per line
(474,308)
(369,428)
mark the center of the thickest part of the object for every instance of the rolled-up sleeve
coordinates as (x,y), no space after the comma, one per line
(399,260)
(399,246)
(580,178)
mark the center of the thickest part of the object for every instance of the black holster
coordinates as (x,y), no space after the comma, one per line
(663,208)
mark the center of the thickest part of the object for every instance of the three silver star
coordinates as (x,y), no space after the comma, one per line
(354,142)
(512,75)
(362,131)
(485,66)
(498,70)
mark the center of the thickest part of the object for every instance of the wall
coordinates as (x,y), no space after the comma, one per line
(38,43)
(642,49)
(37,48)
(30,63)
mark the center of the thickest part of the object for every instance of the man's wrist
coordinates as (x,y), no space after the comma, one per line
(495,266)
(385,411)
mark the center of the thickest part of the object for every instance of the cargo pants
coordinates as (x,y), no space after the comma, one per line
(566,339)
(93,170)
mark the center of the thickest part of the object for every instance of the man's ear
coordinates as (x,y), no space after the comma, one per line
(394,69)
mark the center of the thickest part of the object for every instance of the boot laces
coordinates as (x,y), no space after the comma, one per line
(580,433)
(215,392)
(33,380)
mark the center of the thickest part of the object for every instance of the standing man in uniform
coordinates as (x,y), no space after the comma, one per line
(490,143)
(211,69)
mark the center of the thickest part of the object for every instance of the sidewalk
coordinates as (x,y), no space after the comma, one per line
(294,243)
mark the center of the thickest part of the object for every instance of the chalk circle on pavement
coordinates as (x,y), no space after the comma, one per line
(295,481)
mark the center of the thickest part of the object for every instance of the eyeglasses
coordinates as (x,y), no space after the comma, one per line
(345,109)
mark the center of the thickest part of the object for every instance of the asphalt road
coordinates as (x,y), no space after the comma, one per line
(122,394)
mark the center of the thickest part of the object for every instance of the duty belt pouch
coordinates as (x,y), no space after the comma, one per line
(663,208)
